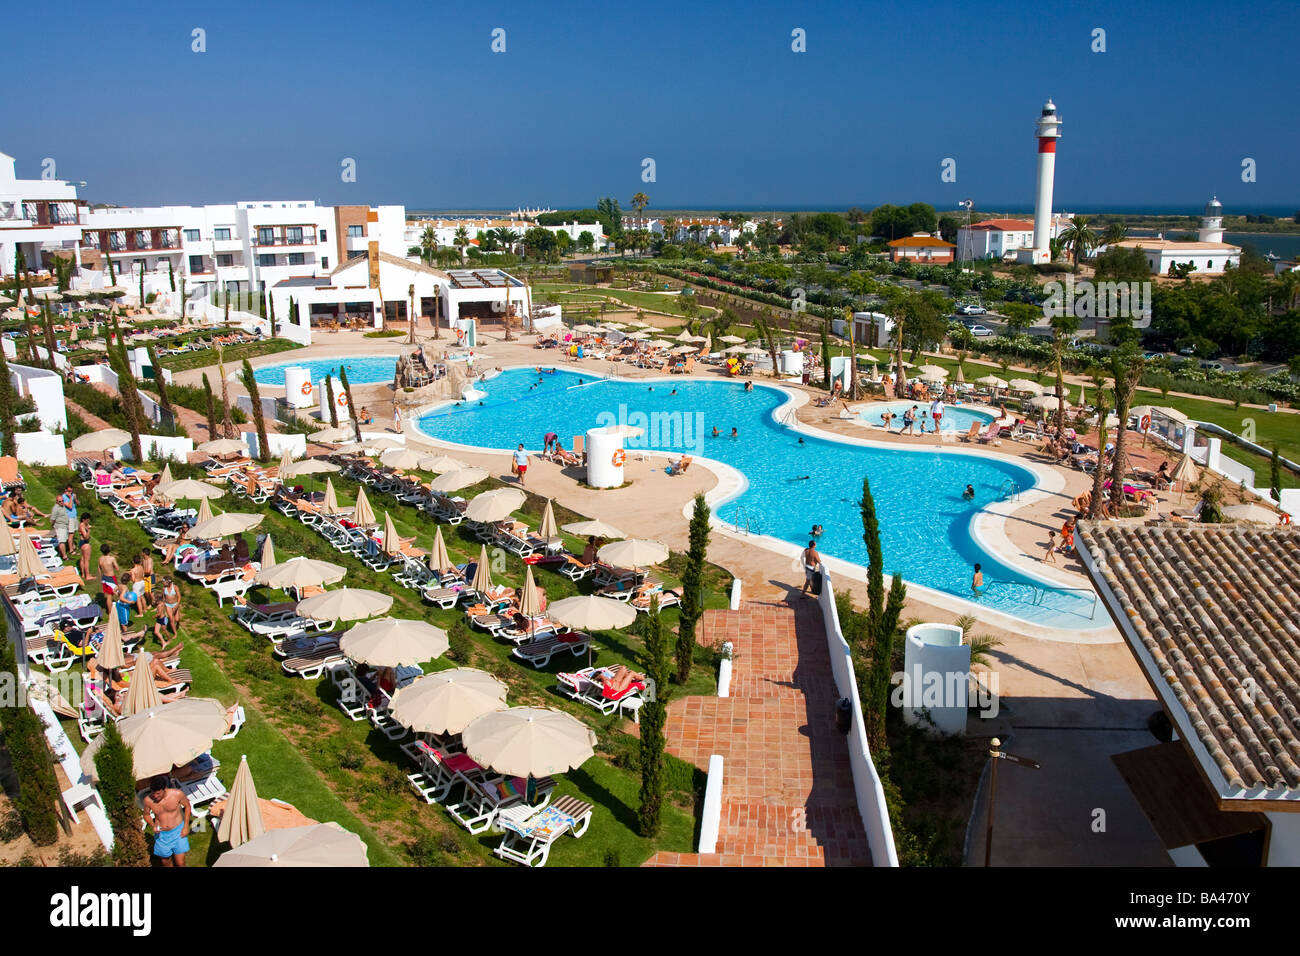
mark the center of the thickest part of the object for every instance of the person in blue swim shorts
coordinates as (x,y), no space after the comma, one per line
(168,811)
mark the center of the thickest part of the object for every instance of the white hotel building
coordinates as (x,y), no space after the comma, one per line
(1001,238)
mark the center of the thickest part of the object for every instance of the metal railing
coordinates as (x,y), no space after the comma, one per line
(744,522)
(1037,593)
(1010,490)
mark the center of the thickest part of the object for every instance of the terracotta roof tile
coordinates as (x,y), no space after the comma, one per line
(1218,609)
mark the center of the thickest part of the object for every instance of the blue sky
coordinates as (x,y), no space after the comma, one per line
(712,92)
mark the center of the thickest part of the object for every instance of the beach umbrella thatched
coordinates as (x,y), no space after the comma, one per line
(494,505)
(394,642)
(528,741)
(165,736)
(320,845)
(446,701)
(241,820)
(345,604)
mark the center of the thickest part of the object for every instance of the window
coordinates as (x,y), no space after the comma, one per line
(265,235)
(356,254)
(265,259)
(322,236)
(324,261)
(296,258)
(356,232)
(191,235)
(221,233)
(196,264)
(225,261)
(142,240)
(137,264)
(293,235)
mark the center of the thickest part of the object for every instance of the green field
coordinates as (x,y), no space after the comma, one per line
(231,356)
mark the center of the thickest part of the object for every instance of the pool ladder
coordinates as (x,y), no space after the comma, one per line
(741,520)
(789,419)
(1010,489)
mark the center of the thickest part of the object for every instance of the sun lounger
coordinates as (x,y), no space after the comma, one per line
(439,772)
(483,799)
(574,569)
(530,832)
(587,687)
(539,652)
(642,599)
(443,597)
(230,589)
(310,664)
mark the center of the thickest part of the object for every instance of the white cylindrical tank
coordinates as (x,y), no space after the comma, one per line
(791,362)
(605,457)
(340,397)
(936,678)
(298,389)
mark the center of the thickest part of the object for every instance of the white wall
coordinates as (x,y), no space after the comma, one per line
(866,782)
(41,448)
(46,389)
(1284,840)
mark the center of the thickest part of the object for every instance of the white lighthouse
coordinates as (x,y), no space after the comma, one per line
(1048,132)
(1211,222)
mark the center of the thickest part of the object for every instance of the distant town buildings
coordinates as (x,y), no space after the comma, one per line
(922,247)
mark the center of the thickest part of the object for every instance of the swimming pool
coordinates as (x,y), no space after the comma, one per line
(925,524)
(362,369)
(957,418)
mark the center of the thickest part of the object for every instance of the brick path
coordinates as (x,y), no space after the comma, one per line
(787,794)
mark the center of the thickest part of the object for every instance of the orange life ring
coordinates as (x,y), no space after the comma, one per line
(342,399)
(1146,422)
(306,388)
(620,456)
(1284,518)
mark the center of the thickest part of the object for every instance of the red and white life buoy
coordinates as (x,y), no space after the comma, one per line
(620,456)
(1146,422)
(1284,518)
(342,399)
(306,388)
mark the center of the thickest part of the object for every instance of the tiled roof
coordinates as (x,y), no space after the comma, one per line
(1171,245)
(1004,225)
(1217,608)
(923,242)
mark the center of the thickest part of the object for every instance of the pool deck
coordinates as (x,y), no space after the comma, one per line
(1059,693)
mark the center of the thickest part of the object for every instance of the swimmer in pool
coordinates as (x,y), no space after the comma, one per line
(734,433)
(716,432)
(969,493)
(977,582)
(817,531)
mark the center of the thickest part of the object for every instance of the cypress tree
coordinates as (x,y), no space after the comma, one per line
(48,322)
(142,285)
(259,420)
(352,406)
(211,405)
(8,426)
(1275,475)
(654,714)
(171,275)
(881,622)
(33,764)
(112,277)
(692,589)
(158,377)
(329,397)
(227,423)
(131,406)
(270,311)
(183,298)
(826,356)
(225,320)
(115,767)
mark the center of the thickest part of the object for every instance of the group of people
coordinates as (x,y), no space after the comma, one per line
(914,419)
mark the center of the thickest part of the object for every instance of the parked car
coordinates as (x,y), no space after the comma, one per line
(1212,366)
(1187,350)
(981,331)
(971,309)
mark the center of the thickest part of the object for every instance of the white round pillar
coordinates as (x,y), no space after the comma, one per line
(605,456)
(298,389)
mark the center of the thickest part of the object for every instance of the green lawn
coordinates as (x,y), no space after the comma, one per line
(581,295)
(303,749)
(232,355)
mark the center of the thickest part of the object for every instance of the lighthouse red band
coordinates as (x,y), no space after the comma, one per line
(1047,144)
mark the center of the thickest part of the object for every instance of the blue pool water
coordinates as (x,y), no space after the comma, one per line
(362,369)
(957,418)
(924,522)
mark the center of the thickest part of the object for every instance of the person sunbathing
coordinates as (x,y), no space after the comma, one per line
(616,682)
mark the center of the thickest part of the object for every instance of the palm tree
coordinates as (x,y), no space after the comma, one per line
(1115,233)
(1079,239)
(410,318)
(670,229)
(980,644)
(1127,366)
(1288,284)
(639,202)
(1062,325)
(460,242)
(428,245)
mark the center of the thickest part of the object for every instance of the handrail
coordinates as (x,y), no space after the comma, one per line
(1040,591)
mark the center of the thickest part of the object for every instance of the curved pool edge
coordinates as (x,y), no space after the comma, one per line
(988,526)
(269,361)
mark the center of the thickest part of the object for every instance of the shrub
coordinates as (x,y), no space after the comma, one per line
(33,764)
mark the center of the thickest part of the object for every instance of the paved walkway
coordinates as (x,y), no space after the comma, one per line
(787,794)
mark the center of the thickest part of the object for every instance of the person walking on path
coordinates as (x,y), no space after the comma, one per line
(812,566)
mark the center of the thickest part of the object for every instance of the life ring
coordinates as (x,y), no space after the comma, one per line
(1284,518)
(620,456)
(342,399)
(306,388)
(1146,422)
